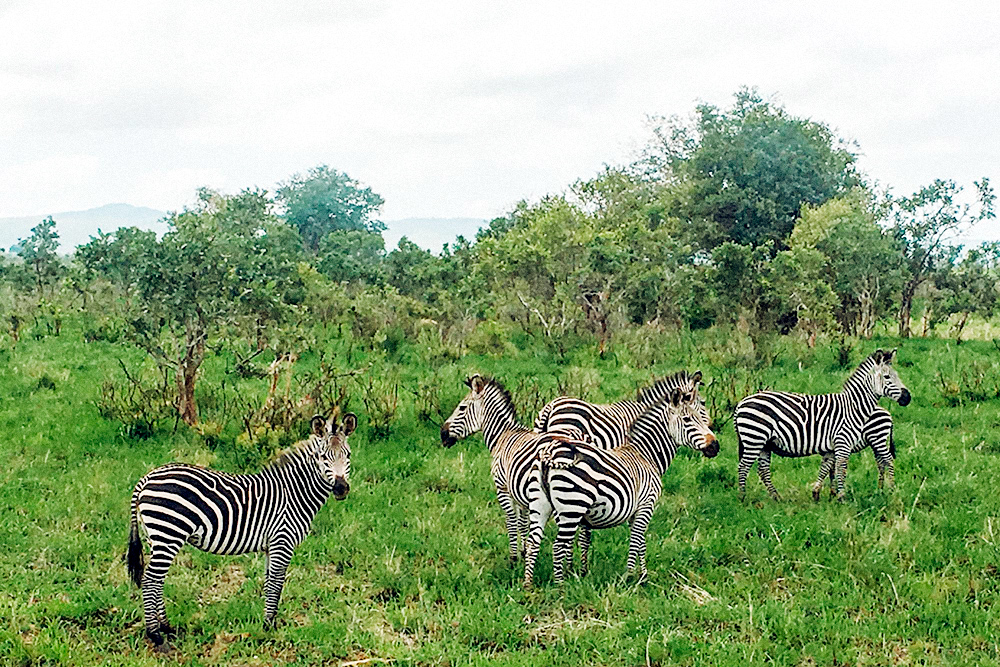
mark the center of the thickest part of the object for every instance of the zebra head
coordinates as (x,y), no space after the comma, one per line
(884,379)
(333,452)
(468,415)
(687,422)
(660,389)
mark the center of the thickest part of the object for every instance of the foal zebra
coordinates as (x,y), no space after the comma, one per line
(607,425)
(220,513)
(802,424)
(588,487)
(489,408)
(876,434)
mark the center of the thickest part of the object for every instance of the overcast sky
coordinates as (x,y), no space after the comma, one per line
(462,109)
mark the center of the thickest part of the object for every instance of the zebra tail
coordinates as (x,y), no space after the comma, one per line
(134,557)
(559,454)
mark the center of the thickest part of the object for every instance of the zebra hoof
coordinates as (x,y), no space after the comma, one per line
(162,648)
(816,495)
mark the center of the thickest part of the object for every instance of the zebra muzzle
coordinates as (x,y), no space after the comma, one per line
(446,439)
(711,448)
(340,488)
(904,398)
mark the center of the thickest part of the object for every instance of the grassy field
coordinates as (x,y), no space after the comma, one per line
(412,568)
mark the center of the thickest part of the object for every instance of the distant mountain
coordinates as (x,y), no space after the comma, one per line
(430,233)
(76,227)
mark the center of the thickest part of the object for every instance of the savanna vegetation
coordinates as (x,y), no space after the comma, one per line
(743,242)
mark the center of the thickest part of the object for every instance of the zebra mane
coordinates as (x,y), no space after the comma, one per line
(661,388)
(858,373)
(508,400)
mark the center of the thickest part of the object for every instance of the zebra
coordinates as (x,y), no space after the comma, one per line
(587,487)
(488,408)
(876,434)
(803,424)
(607,425)
(221,513)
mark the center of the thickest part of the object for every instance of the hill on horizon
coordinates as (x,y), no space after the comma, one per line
(78,227)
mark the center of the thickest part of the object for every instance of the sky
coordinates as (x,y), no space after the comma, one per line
(463,109)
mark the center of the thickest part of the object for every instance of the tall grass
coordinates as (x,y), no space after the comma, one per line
(412,567)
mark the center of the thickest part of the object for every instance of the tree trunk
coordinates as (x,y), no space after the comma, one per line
(905,306)
(187,372)
(959,326)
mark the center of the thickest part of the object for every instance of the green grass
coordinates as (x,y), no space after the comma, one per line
(412,567)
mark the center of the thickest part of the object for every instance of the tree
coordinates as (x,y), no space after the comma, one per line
(863,262)
(925,223)
(326,200)
(743,174)
(352,255)
(118,257)
(228,262)
(39,252)
(968,286)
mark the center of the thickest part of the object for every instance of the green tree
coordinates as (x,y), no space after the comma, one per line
(39,253)
(226,263)
(968,287)
(743,174)
(863,262)
(925,223)
(326,200)
(352,255)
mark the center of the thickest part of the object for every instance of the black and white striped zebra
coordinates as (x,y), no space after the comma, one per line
(795,425)
(488,408)
(221,513)
(607,424)
(877,434)
(585,487)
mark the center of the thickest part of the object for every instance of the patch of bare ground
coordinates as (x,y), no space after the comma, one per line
(225,585)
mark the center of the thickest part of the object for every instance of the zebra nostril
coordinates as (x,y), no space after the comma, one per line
(446,438)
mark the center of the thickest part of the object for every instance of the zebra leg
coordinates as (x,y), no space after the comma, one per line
(888,472)
(279,554)
(510,521)
(522,530)
(154,609)
(750,451)
(825,470)
(585,534)
(539,512)
(842,449)
(764,470)
(567,523)
(637,543)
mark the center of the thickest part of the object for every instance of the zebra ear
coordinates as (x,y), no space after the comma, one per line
(877,357)
(696,378)
(350,423)
(477,383)
(888,357)
(317,424)
(675,397)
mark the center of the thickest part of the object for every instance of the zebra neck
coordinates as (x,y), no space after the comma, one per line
(298,470)
(859,390)
(656,450)
(499,418)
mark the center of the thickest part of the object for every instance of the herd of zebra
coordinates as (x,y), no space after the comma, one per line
(585,465)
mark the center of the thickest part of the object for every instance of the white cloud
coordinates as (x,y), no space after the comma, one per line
(461,109)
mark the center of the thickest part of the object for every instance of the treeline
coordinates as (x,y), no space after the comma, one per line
(746,218)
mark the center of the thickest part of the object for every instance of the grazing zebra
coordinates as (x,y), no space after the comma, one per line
(489,408)
(802,424)
(220,513)
(587,487)
(877,434)
(607,425)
